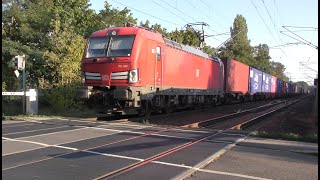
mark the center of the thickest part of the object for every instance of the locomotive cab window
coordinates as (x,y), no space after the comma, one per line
(120,46)
(158,53)
(97,46)
(114,46)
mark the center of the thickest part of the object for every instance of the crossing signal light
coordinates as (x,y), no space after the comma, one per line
(19,63)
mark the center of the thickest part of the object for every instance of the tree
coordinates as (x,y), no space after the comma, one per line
(239,47)
(277,69)
(158,28)
(302,84)
(209,50)
(111,17)
(25,27)
(185,37)
(261,56)
(145,24)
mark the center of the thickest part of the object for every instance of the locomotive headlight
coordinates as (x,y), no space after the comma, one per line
(133,76)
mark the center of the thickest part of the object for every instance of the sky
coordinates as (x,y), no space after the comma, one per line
(271,22)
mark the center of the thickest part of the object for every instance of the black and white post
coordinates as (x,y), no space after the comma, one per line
(20,62)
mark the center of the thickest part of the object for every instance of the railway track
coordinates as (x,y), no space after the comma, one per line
(114,174)
(209,111)
(177,148)
(133,166)
(244,119)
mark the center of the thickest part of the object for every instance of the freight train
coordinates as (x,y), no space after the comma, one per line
(134,70)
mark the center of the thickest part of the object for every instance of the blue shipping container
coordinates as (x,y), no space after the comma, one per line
(289,89)
(255,82)
(279,86)
(266,82)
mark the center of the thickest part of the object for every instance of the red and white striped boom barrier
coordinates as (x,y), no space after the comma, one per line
(12,93)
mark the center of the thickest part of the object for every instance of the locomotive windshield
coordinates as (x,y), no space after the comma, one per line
(114,46)
(97,47)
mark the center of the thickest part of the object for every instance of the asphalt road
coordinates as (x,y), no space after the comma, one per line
(72,149)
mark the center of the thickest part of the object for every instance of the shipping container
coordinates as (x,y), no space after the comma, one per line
(298,90)
(266,82)
(293,87)
(284,87)
(255,82)
(273,84)
(279,87)
(236,76)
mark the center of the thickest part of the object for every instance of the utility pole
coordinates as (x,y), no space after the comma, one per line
(20,62)
(316,104)
(200,34)
(24,85)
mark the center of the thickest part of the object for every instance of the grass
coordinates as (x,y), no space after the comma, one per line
(48,113)
(85,113)
(312,137)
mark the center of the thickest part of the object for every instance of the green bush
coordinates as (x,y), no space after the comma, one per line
(313,138)
(61,99)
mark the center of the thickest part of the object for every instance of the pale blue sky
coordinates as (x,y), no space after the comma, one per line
(265,19)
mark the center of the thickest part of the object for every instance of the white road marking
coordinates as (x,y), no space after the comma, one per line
(114,123)
(207,160)
(11,121)
(34,130)
(53,133)
(186,138)
(132,158)
(188,130)
(121,126)
(231,134)
(32,142)
(17,125)
(34,121)
(44,145)
(210,171)
(120,131)
(113,155)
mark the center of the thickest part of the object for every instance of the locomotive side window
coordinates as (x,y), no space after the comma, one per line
(97,46)
(158,53)
(120,46)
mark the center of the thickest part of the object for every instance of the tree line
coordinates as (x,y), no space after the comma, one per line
(52,34)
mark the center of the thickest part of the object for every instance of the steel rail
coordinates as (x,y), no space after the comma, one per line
(219,119)
(257,119)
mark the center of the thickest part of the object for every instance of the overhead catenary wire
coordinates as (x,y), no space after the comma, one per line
(300,40)
(302,27)
(179,11)
(272,20)
(147,14)
(281,19)
(209,27)
(263,20)
(176,9)
(204,14)
(207,6)
(286,44)
(267,27)
(170,11)
(150,14)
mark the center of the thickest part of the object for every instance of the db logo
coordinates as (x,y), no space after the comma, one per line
(105,77)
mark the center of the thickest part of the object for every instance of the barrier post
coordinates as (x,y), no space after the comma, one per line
(32,101)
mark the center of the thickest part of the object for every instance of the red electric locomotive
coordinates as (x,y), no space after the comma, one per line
(133,70)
